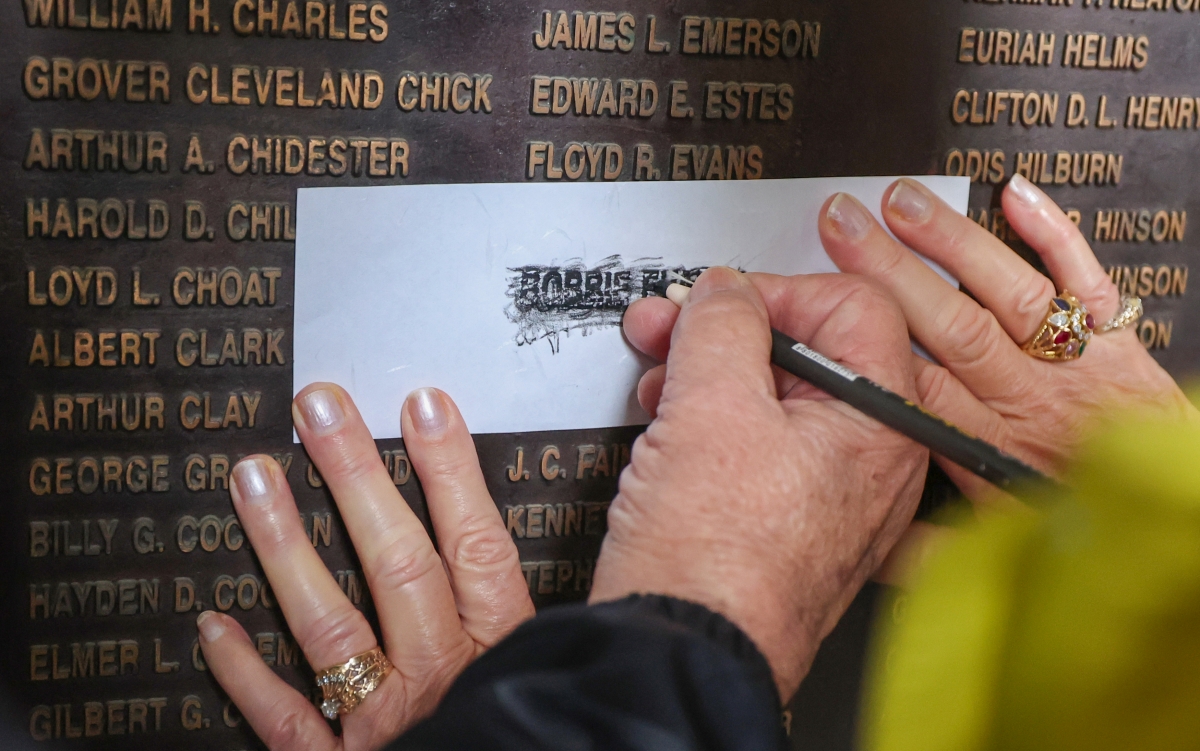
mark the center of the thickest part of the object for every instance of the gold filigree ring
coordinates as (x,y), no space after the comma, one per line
(345,686)
(1065,331)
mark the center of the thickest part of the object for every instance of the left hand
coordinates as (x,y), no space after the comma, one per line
(753,493)
(437,612)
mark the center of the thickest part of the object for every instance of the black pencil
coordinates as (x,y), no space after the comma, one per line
(893,410)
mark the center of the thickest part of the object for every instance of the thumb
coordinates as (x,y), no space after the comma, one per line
(722,337)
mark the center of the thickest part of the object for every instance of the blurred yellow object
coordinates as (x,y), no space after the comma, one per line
(1074,628)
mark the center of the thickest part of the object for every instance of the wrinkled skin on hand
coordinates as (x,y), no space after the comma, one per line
(439,608)
(751,492)
(1036,410)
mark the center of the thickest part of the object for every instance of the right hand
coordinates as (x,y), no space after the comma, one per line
(752,493)
(1038,411)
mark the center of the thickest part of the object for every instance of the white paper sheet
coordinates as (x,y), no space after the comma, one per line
(409,286)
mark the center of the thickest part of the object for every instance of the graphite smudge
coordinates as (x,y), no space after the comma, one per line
(550,301)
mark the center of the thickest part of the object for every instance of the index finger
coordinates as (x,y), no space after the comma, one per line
(417,615)
(846,317)
(722,337)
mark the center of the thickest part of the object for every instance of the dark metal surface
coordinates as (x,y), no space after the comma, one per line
(876,96)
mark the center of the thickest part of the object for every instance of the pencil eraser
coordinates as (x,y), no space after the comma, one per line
(677,293)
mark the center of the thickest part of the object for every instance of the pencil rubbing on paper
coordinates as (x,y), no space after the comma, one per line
(550,301)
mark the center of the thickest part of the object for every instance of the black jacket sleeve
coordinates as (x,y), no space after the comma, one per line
(647,673)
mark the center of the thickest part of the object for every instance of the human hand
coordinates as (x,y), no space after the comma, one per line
(752,493)
(437,613)
(1036,410)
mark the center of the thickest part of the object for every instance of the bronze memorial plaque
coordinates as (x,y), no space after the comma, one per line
(148,172)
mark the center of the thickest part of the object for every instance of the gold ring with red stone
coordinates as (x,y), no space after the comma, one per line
(1065,331)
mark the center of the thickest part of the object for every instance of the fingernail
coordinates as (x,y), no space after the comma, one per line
(1024,191)
(321,411)
(850,218)
(911,201)
(252,481)
(428,412)
(211,627)
(716,279)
